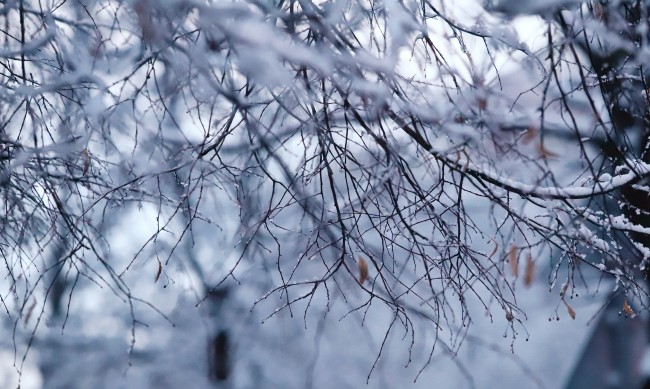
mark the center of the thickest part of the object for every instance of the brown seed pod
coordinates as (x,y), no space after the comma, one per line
(545,153)
(363,270)
(572,313)
(569,308)
(530,270)
(496,247)
(158,272)
(513,258)
(86,156)
(628,310)
(530,135)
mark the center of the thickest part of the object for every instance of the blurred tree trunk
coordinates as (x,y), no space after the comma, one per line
(623,83)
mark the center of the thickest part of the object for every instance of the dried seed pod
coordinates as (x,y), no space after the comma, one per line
(363,270)
(569,308)
(545,153)
(628,310)
(158,272)
(572,313)
(530,270)
(482,104)
(86,156)
(513,258)
(496,247)
(530,135)
(565,287)
(597,10)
